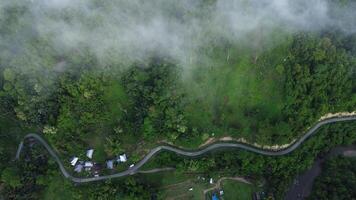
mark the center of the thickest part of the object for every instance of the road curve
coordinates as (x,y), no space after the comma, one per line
(183,152)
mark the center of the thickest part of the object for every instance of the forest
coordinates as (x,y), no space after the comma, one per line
(337,181)
(266,94)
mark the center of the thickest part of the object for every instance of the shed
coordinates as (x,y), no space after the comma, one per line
(110,164)
(122,158)
(74,161)
(90,153)
(88,164)
(78,168)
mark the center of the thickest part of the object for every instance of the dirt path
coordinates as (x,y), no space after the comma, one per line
(176,184)
(218,183)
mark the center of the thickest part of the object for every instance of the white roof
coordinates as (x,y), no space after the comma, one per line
(88,164)
(110,164)
(211,181)
(74,161)
(78,168)
(123,158)
(90,153)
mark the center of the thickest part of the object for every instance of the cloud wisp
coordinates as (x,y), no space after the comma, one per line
(136,29)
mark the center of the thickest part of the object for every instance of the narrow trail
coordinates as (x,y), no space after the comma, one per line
(182,152)
(218,183)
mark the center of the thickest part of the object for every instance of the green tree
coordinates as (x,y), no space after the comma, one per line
(11,177)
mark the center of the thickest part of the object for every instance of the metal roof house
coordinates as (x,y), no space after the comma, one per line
(78,168)
(88,164)
(122,158)
(110,164)
(90,153)
(74,161)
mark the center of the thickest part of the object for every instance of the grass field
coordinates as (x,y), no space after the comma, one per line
(237,191)
(231,94)
(176,186)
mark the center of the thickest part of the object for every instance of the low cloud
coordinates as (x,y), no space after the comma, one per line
(135,29)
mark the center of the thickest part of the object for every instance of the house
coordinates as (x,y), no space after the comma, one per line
(88,164)
(211,181)
(122,158)
(90,153)
(110,164)
(74,161)
(78,168)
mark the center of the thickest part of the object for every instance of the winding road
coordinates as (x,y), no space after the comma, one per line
(179,151)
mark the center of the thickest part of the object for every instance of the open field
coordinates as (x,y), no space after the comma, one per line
(239,191)
(176,186)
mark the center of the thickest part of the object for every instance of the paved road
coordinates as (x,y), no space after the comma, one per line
(303,184)
(183,152)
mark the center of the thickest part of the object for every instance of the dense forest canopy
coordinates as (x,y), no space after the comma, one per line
(337,181)
(124,76)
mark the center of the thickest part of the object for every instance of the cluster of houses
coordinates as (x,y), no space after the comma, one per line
(89,165)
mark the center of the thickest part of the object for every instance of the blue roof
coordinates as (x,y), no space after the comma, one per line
(215,197)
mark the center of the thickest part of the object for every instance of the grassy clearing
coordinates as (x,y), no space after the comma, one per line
(240,87)
(237,190)
(116,99)
(172,185)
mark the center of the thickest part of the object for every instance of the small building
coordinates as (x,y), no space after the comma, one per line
(78,168)
(90,153)
(74,161)
(211,181)
(122,158)
(110,164)
(88,164)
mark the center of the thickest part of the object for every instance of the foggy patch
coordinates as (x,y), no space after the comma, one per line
(131,30)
